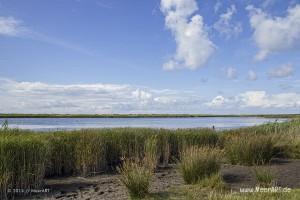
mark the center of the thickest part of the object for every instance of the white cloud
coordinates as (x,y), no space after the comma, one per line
(9,26)
(252,76)
(259,99)
(275,34)
(231,73)
(264,100)
(194,47)
(217,6)
(216,102)
(37,97)
(282,71)
(225,26)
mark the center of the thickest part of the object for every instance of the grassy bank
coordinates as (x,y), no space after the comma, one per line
(15,115)
(26,157)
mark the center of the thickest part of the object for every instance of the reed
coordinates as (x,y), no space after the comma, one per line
(22,163)
(26,157)
(249,149)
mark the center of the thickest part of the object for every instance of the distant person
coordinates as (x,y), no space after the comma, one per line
(213,127)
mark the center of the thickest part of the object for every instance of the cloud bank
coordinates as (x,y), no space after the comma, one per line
(194,48)
(257,99)
(38,97)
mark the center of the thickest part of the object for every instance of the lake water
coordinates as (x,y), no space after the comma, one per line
(47,124)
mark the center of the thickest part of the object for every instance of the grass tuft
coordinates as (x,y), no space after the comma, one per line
(264,177)
(198,163)
(136,177)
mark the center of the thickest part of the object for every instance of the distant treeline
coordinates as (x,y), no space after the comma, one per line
(140,115)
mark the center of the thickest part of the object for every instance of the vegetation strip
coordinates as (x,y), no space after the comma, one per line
(15,115)
(27,157)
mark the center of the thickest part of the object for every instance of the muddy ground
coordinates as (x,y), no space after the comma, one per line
(108,186)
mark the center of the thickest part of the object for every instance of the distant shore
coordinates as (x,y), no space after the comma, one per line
(13,115)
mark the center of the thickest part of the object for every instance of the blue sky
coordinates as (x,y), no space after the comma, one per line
(159,56)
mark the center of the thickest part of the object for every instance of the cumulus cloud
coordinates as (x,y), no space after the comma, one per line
(252,76)
(38,97)
(9,26)
(231,73)
(275,34)
(194,47)
(259,99)
(225,26)
(282,71)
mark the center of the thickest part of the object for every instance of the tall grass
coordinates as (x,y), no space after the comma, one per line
(136,173)
(249,149)
(198,163)
(22,163)
(26,157)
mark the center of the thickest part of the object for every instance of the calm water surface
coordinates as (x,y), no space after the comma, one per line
(47,124)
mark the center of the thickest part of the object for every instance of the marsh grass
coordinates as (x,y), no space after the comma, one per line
(90,153)
(214,182)
(249,149)
(198,163)
(136,175)
(26,157)
(264,176)
(22,163)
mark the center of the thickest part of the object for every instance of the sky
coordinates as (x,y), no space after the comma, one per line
(158,56)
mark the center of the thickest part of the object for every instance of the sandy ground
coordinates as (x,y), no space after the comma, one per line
(108,186)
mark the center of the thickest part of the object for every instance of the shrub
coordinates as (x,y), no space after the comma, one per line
(249,149)
(198,163)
